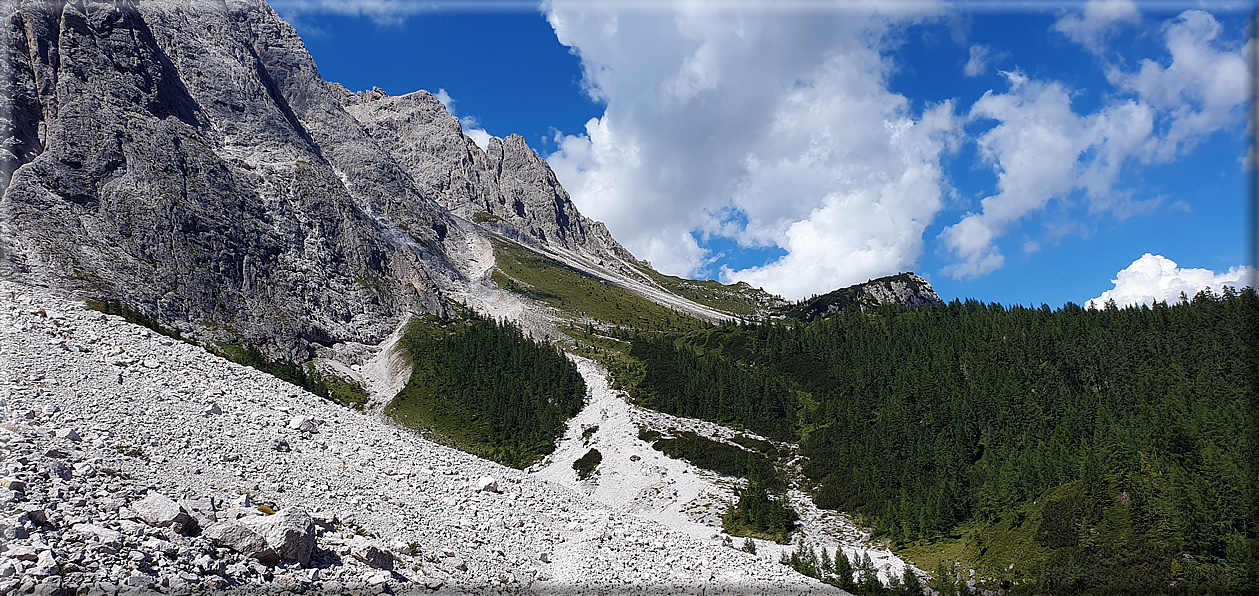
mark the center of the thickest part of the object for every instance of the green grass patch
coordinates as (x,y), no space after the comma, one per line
(481,217)
(736,299)
(485,388)
(581,295)
(133,316)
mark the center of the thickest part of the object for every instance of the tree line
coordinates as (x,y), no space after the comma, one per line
(1125,436)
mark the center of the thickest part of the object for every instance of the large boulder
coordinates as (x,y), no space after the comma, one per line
(242,539)
(291,532)
(159,510)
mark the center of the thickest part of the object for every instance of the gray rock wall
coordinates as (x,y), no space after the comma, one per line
(186,158)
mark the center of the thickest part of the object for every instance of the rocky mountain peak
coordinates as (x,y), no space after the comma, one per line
(186,158)
(508,186)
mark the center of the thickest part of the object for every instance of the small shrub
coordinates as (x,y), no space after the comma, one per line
(586,464)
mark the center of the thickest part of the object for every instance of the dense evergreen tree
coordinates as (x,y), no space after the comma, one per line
(1128,428)
(489,389)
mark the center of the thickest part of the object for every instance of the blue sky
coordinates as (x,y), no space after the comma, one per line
(1017,157)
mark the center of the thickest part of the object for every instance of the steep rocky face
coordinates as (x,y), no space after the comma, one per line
(185,157)
(905,288)
(507,186)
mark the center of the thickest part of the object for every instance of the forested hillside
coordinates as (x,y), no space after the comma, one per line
(485,387)
(1110,448)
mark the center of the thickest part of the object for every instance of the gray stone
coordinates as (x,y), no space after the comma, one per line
(60,470)
(377,557)
(291,532)
(141,581)
(487,484)
(241,539)
(304,424)
(102,535)
(22,552)
(68,434)
(201,509)
(159,510)
(45,565)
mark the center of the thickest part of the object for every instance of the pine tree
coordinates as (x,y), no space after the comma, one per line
(844,571)
(911,584)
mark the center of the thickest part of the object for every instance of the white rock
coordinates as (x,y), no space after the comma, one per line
(303,423)
(46,565)
(159,510)
(487,484)
(68,434)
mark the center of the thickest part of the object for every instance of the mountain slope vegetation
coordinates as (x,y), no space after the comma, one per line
(1114,438)
(487,389)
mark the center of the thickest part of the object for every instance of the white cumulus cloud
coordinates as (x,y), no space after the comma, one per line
(1202,89)
(773,128)
(1042,150)
(1155,278)
(1098,21)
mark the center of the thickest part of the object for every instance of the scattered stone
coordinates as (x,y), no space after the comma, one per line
(68,434)
(487,484)
(291,532)
(213,410)
(378,578)
(22,552)
(377,557)
(45,565)
(104,536)
(304,424)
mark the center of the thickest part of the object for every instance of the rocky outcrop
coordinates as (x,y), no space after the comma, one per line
(507,186)
(904,288)
(185,158)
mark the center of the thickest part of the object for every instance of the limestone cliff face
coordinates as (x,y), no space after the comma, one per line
(185,157)
(507,186)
